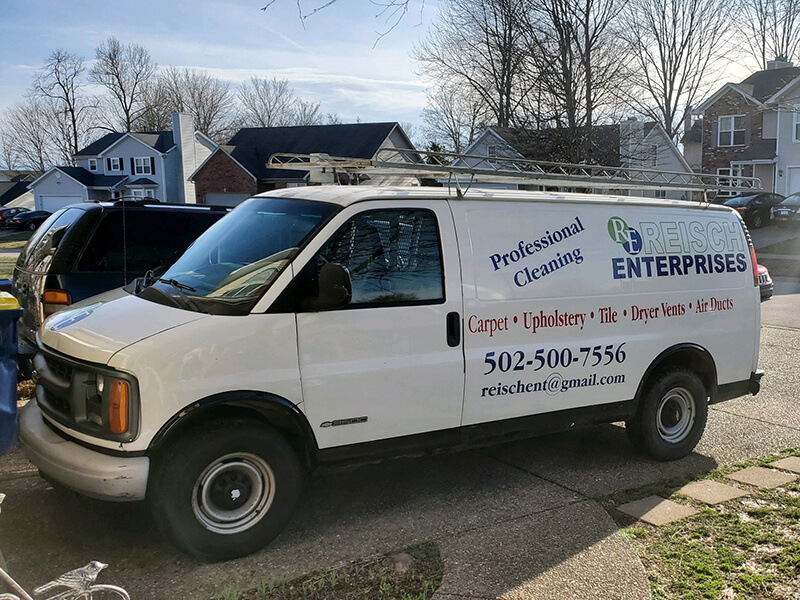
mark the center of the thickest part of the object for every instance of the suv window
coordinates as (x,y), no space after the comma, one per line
(394,257)
(138,240)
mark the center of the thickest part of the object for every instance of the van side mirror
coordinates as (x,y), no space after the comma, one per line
(335,289)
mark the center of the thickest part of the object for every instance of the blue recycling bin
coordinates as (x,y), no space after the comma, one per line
(10,312)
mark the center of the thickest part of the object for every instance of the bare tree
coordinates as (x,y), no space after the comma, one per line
(274,103)
(156,114)
(124,70)
(674,45)
(771,29)
(453,117)
(60,83)
(208,99)
(26,130)
(6,154)
(481,45)
(266,102)
(573,46)
(307,113)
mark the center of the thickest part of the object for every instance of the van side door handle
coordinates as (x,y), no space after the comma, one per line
(453,329)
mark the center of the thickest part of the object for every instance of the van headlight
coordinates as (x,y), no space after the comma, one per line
(110,402)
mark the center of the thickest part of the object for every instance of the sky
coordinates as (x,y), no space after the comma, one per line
(336,57)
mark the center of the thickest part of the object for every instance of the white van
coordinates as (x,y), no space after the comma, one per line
(329,324)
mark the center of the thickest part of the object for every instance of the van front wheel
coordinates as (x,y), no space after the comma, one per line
(671,416)
(226,489)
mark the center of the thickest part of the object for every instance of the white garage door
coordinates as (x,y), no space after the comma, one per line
(53,203)
(225,198)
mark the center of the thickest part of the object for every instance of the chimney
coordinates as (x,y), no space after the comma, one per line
(183,136)
(687,120)
(778,64)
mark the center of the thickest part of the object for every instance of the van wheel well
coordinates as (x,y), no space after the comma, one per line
(283,424)
(691,357)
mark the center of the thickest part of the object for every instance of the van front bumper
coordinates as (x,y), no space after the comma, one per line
(78,468)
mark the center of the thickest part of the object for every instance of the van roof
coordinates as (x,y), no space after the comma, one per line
(345,195)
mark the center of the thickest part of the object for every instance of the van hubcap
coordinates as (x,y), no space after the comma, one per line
(676,414)
(233,493)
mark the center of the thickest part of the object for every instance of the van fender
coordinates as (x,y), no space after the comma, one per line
(690,356)
(271,409)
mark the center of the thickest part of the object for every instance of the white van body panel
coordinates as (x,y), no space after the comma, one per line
(555,319)
(95,329)
(182,366)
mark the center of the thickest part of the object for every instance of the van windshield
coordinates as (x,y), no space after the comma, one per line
(232,264)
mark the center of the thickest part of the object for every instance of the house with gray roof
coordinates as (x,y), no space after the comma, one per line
(751,129)
(123,165)
(631,143)
(237,170)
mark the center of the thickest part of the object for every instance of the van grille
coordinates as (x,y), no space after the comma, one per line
(59,368)
(67,392)
(53,383)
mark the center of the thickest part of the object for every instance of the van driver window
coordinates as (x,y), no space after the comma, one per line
(393,256)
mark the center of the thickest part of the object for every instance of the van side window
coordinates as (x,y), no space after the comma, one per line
(393,256)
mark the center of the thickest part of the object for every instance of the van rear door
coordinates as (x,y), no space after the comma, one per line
(390,362)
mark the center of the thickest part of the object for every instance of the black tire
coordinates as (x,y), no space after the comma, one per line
(193,479)
(671,416)
(757,220)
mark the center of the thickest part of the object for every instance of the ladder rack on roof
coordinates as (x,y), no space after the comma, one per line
(481,169)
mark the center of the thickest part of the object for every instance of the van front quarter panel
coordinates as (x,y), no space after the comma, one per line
(183,365)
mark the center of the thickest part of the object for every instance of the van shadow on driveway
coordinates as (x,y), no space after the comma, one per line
(502,517)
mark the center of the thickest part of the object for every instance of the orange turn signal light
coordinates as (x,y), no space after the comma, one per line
(55,300)
(119,399)
(56,297)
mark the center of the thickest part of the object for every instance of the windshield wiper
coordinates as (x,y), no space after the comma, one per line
(179,287)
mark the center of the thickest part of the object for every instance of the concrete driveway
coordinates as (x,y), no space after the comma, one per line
(519,520)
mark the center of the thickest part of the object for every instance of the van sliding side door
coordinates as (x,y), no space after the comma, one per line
(389,363)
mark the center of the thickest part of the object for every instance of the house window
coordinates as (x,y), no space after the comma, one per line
(93,164)
(722,179)
(115,164)
(653,156)
(141,166)
(491,153)
(142,193)
(731,130)
(796,120)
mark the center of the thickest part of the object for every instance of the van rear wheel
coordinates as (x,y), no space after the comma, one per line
(226,489)
(671,417)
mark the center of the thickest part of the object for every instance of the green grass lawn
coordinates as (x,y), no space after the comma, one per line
(741,549)
(7,266)
(16,239)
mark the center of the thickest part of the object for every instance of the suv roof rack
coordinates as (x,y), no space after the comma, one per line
(148,201)
(502,169)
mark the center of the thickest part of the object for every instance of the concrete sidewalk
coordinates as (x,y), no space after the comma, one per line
(517,521)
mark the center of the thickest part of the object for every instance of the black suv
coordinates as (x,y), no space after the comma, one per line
(89,248)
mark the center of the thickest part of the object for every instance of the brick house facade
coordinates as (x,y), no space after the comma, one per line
(222,173)
(751,129)
(238,170)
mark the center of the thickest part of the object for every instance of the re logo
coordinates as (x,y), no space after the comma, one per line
(628,237)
